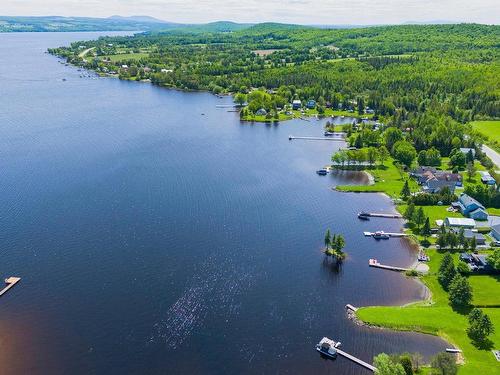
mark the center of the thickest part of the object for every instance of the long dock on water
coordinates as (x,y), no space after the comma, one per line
(384,215)
(356,360)
(370,234)
(335,139)
(11,281)
(376,264)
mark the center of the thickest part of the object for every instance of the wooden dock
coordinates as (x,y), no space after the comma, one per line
(351,307)
(384,215)
(335,139)
(356,360)
(370,234)
(376,264)
(11,281)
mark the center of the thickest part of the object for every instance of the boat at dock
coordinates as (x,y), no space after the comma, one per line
(322,172)
(364,216)
(329,134)
(327,347)
(380,235)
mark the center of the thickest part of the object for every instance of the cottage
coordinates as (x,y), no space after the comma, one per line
(467,205)
(486,178)
(296,104)
(311,104)
(495,232)
(459,222)
(422,174)
(434,185)
(261,112)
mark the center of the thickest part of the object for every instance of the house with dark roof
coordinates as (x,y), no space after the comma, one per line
(469,235)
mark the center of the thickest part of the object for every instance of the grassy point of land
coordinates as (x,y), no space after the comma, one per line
(308,113)
(436,317)
(389,179)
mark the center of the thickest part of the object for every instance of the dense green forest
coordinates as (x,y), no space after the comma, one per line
(401,73)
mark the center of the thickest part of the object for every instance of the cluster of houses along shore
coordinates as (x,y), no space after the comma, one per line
(475,223)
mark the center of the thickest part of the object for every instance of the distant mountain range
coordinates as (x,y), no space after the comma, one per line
(130,23)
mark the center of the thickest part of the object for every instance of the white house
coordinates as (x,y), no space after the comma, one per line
(460,222)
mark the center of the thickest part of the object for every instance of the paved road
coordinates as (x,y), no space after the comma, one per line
(493,155)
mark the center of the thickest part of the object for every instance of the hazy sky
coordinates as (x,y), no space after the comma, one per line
(291,11)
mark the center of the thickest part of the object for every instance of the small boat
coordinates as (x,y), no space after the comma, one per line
(329,134)
(363,216)
(380,235)
(327,347)
(422,257)
(322,172)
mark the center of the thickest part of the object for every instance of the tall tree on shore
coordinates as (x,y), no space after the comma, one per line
(419,217)
(426,230)
(480,326)
(446,271)
(405,191)
(383,154)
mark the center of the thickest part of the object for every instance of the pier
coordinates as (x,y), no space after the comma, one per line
(335,139)
(356,360)
(371,234)
(351,307)
(376,264)
(11,281)
(384,215)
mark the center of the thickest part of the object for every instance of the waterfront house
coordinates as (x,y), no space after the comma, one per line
(422,174)
(296,104)
(434,185)
(261,112)
(311,104)
(459,222)
(470,207)
(495,232)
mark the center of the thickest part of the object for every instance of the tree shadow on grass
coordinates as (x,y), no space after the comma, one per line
(485,344)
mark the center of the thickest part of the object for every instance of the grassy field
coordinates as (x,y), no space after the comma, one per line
(490,129)
(433,212)
(388,179)
(127,56)
(438,318)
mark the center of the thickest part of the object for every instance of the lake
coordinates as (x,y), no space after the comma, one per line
(156,233)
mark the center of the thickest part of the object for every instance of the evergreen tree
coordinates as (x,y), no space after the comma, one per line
(480,326)
(406,192)
(419,217)
(460,291)
(328,239)
(446,271)
(426,230)
(410,211)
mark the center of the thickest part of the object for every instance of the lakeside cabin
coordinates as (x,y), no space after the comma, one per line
(296,104)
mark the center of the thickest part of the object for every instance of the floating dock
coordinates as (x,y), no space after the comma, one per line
(335,139)
(351,307)
(11,281)
(376,264)
(371,234)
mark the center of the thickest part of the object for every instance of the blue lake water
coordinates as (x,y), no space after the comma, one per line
(153,239)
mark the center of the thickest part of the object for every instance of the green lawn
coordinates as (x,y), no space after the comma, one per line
(491,129)
(388,179)
(486,290)
(438,318)
(433,212)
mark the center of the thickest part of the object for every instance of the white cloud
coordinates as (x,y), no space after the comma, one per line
(296,11)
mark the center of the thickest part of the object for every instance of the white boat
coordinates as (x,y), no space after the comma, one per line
(327,347)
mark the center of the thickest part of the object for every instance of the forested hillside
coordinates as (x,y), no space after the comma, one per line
(399,72)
